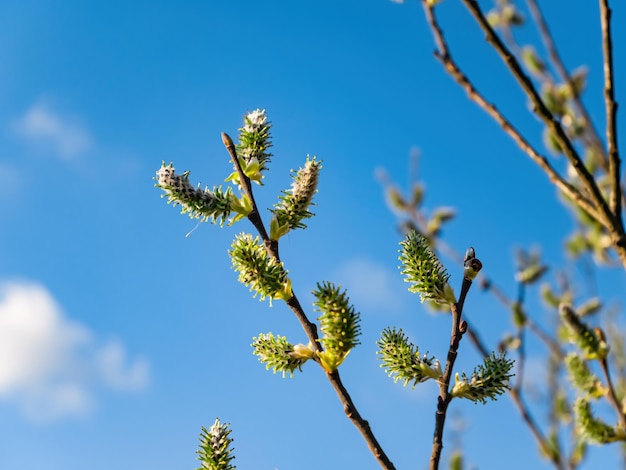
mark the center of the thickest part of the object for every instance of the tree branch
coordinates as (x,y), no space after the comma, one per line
(444,398)
(615,197)
(443,54)
(602,212)
(555,58)
(615,401)
(309,327)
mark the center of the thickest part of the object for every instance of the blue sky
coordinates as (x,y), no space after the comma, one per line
(120,337)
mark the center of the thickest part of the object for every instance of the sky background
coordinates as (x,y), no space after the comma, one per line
(120,337)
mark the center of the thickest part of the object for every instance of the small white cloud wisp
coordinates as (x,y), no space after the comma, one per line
(50,366)
(368,284)
(42,126)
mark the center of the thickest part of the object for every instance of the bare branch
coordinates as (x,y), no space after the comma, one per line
(444,398)
(615,198)
(309,327)
(603,212)
(587,179)
(615,401)
(443,54)
(555,58)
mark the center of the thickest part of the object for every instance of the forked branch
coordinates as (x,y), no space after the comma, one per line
(309,327)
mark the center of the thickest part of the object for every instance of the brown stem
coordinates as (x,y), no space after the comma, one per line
(309,327)
(555,58)
(444,398)
(543,442)
(443,54)
(522,407)
(539,107)
(516,395)
(361,424)
(615,198)
(603,213)
(244,181)
(612,395)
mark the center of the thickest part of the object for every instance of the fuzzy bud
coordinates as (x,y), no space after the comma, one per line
(279,354)
(339,324)
(294,204)
(402,361)
(202,204)
(215,447)
(488,380)
(590,343)
(258,270)
(423,269)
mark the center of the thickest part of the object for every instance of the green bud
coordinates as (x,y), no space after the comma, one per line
(421,268)
(456,461)
(578,81)
(215,450)
(582,378)
(519,316)
(488,380)
(276,230)
(339,324)
(532,61)
(417,195)
(254,142)
(395,199)
(551,142)
(592,429)
(471,264)
(402,361)
(549,297)
(264,275)
(202,204)
(531,274)
(590,307)
(588,341)
(279,354)
(295,202)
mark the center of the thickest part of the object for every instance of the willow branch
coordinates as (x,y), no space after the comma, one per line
(254,216)
(443,54)
(542,441)
(444,398)
(615,401)
(546,338)
(604,214)
(611,110)
(557,61)
(309,327)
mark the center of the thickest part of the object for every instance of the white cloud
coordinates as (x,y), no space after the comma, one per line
(369,285)
(44,127)
(111,359)
(50,366)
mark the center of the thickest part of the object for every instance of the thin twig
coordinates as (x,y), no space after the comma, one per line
(545,337)
(540,108)
(310,328)
(555,57)
(543,442)
(443,54)
(418,223)
(615,401)
(615,198)
(254,216)
(605,216)
(516,396)
(444,398)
